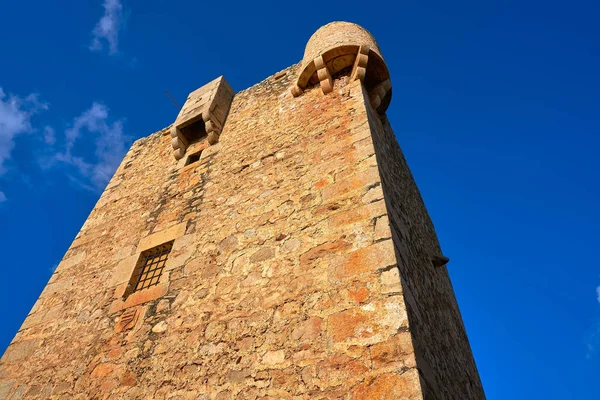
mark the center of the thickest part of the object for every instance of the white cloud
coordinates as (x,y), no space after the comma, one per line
(110,146)
(593,340)
(93,143)
(49,135)
(93,119)
(107,29)
(15,119)
(593,334)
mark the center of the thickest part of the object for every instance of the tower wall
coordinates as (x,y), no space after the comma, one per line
(442,351)
(289,238)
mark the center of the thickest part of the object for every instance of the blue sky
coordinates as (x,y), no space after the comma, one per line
(496,105)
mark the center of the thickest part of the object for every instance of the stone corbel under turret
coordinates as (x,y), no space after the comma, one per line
(367,66)
(378,93)
(359,70)
(202,116)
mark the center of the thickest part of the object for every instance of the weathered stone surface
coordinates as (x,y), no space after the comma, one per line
(363,261)
(123,270)
(160,327)
(5,388)
(161,237)
(389,387)
(18,351)
(71,261)
(265,253)
(300,268)
(339,369)
(273,357)
(390,280)
(396,351)
(382,228)
(441,346)
(370,323)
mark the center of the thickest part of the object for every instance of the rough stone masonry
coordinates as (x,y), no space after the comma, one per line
(296,259)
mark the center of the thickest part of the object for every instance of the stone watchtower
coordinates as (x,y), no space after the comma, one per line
(270,244)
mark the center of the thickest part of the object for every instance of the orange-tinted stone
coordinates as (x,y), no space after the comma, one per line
(109,384)
(321,183)
(365,260)
(397,350)
(322,251)
(114,353)
(128,379)
(339,368)
(308,330)
(389,387)
(104,369)
(360,294)
(355,215)
(348,324)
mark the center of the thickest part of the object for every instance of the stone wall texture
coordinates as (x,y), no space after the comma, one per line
(300,269)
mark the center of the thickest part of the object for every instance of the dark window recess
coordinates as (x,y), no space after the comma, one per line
(194,131)
(192,158)
(149,268)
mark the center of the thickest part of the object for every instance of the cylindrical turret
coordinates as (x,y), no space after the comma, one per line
(344,48)
(338,34)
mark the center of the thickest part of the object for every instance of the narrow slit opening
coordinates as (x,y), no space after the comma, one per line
(192,158)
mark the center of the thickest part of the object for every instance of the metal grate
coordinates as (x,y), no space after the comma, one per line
(149,268)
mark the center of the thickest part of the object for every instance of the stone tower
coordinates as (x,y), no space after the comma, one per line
(270,244)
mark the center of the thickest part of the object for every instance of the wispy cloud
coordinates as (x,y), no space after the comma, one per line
(49,135)
(106,31)
(15,119)
(87,152)
(94,170)
(593,339)
(593,334)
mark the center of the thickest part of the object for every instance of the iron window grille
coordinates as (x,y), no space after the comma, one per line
(149,268)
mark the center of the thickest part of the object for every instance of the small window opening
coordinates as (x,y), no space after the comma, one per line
(194,131)
(149,268)
(192,158)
